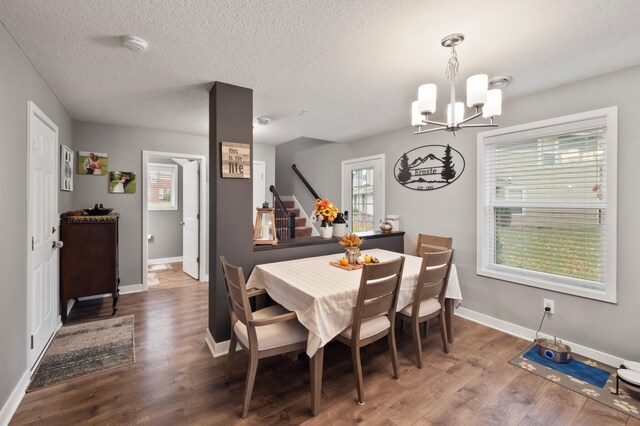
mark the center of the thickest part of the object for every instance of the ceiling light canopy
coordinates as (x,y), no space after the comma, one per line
(135,43)
(486,103)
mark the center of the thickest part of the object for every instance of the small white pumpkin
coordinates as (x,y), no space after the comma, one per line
(360,260)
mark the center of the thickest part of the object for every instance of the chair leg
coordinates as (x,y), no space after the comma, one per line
(617,385)
(443,332)
(415,328)
(251,378)
(394,353)
(357,369)
(232,351)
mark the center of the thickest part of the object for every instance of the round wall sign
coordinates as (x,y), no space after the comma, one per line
(429,167)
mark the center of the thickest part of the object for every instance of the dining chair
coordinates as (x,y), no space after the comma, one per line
(428,298)
(374,316)
(264,333)
(432,243)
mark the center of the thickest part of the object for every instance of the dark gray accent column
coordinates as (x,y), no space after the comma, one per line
(230,210)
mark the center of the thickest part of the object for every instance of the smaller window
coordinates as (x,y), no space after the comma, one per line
(163,181)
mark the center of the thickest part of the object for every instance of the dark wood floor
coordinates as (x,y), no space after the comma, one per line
(175,380)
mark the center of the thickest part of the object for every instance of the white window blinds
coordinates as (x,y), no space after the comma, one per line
(545,212)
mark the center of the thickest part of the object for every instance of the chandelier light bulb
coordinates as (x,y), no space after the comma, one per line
(416,117)
(477,90)
(493,107)
(427,94)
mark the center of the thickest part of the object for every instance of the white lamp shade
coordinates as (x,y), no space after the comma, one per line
(459,113)
(477,90)
(416,117)
(427,94)
(493,107)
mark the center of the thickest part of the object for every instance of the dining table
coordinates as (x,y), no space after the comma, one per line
(324,296)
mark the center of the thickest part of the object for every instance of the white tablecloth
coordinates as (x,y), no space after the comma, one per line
(323,296)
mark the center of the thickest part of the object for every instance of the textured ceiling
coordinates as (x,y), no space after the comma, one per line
(355,65)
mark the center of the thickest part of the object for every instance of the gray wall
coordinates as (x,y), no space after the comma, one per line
(19,82)
(164,225)
(452,210)
(323,175)
(124,145)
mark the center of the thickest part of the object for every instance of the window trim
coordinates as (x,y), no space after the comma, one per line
(540,279)
(174,186)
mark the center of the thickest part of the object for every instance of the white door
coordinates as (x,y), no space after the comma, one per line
(363,192)
(190,218)
(43,207)
(259,185)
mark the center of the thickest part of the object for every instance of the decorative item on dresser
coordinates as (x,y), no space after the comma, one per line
(89,258)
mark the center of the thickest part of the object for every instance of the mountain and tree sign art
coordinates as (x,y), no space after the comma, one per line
(429,167)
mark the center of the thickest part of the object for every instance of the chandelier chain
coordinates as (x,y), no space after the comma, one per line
(453,66)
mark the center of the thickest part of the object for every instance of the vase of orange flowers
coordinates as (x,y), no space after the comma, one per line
(325,212)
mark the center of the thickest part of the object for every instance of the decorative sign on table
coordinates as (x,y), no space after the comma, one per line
(235,160)
(429,167)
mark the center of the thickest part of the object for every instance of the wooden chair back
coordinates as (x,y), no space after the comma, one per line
(237,298)
(378,293)
(432,244)
(432,281)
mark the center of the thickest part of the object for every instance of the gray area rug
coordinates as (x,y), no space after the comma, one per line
(84,349)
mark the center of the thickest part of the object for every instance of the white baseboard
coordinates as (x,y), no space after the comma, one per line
(529,334)
(217,348)
(165,260)
(11,405)
(133,288)
(205,278)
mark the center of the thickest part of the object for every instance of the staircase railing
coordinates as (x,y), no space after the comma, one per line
(306,183)
(285,220)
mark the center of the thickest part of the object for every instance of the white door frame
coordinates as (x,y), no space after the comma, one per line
(202,167)
(33,111)
(345,201)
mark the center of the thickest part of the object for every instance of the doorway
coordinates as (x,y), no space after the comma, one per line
(259,184)
(42,226)
(363,192)
(174,218)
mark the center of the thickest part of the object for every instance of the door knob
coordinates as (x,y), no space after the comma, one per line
(58,244)
(182,222)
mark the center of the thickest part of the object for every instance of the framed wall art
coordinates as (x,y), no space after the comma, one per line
(235,160)
(122,183)
(93,163)
(66,168)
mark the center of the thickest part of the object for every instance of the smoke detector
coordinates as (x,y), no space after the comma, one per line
(263,120)
(135,43)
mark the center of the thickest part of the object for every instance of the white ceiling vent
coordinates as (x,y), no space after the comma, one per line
(135,43)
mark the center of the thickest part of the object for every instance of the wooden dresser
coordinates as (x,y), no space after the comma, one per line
(89,258)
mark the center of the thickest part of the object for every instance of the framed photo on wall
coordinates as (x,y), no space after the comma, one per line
(93,163)
(66,168)
(122,183)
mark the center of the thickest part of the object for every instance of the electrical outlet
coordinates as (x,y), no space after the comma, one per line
(550,304)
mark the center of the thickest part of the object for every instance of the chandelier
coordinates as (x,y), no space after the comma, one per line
(483,102)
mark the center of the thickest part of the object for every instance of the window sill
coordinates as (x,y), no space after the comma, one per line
(608,295)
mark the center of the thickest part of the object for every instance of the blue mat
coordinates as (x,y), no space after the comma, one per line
(579,370)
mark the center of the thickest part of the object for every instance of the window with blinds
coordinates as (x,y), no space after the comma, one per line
(162,193)
(547,204)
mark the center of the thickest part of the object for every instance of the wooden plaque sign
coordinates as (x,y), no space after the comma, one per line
(235,160)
